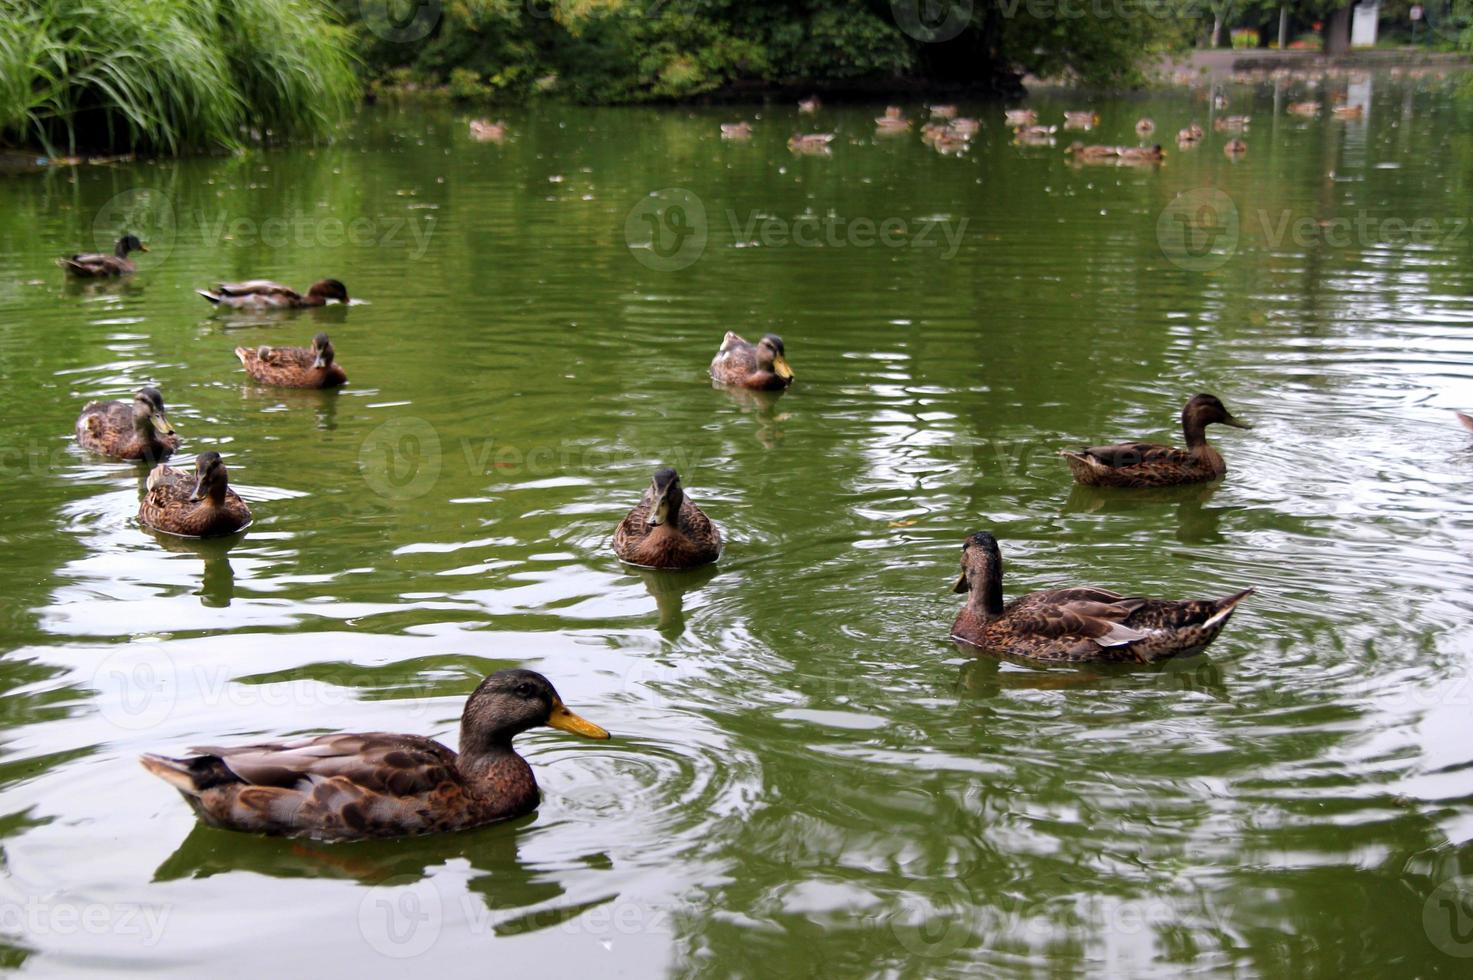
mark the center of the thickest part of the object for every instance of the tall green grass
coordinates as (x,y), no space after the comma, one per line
(169,75)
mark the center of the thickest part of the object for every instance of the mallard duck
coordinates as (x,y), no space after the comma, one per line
(1092,152)
(263,293)
(665,530)
(197,505)
(1231,124)
(965,126)
(1235,148)
(1034,135)
(95,264)
(124,430)
(1141,154)
(893,121)
(1079,624)
(810,142)
(488,132)
(736,131)
(376,784)
(1145,464)
(809,105)
(1081,120)
(1018,118)
(1306,109)
(1190,136)
(942,111)
(1145,127)
(760,365)
(294,367)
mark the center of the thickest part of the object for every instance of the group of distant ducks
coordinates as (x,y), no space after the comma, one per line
(948,133)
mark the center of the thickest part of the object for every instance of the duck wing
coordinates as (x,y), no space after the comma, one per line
(257,287)
(380,762)
(1126,454)
(1085,613)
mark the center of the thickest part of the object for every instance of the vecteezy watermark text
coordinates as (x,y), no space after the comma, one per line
(837,231)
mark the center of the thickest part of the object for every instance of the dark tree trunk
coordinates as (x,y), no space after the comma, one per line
(1337,32)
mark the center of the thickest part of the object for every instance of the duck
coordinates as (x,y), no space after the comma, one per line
(1189,136)
(1235,148)
(98,265)
(1093,152)
(1078,625)
(665,530)
(810,142)
(1348,111)
(488,132)
(193,505)
(736,131)
(1081,120)
(1231,124)
(965,126)
(761,365)
(1034,135)
(810,105)
(375,785)
(1145,127)
(1219,101)
(942,111)
(1145,464)
(294,367)
(138,429)
(263,293)
(893,121)
(1305,109)
(1141,154)
(1018,118)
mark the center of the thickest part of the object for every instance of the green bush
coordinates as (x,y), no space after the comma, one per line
(169,75)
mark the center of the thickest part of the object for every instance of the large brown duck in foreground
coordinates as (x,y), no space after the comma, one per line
(193,505)
(377,784)
(665,530)
(1146,464)
(1080,624)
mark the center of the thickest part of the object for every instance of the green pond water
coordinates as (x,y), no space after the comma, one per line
(807,777)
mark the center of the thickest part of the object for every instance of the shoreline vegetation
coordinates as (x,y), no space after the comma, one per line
(87,79)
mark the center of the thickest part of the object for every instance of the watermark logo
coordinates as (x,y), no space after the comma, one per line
(400,21)
(1447,916)
(667,230)
(936,918)
(401,458)
(401,917)
(142,211)
(138,687)
(932,21)
(1198,231)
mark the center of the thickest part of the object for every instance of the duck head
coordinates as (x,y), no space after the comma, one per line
(981,571)
(322,348)
(329,289)
(128,243)
(1204,410)
(666,496)
(210,478)
(508,703)
(148,412)
(773,356)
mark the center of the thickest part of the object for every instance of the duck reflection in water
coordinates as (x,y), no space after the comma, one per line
(217,585)
(321,402)
(762,405)
(991,675)
(668,589)
(1195,522)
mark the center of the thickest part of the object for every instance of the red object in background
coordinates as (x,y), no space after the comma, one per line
(1317,25)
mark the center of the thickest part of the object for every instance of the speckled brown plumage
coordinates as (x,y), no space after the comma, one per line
(761,365)
(666,530)
(1078,624)
(194,505)
(379,784)
(1145,464)
(254,294)
(294,367)
(138,429)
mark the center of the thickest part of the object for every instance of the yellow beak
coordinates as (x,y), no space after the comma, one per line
(564,720)
(780,365)
(961,584)
(161,424)
(142,247)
